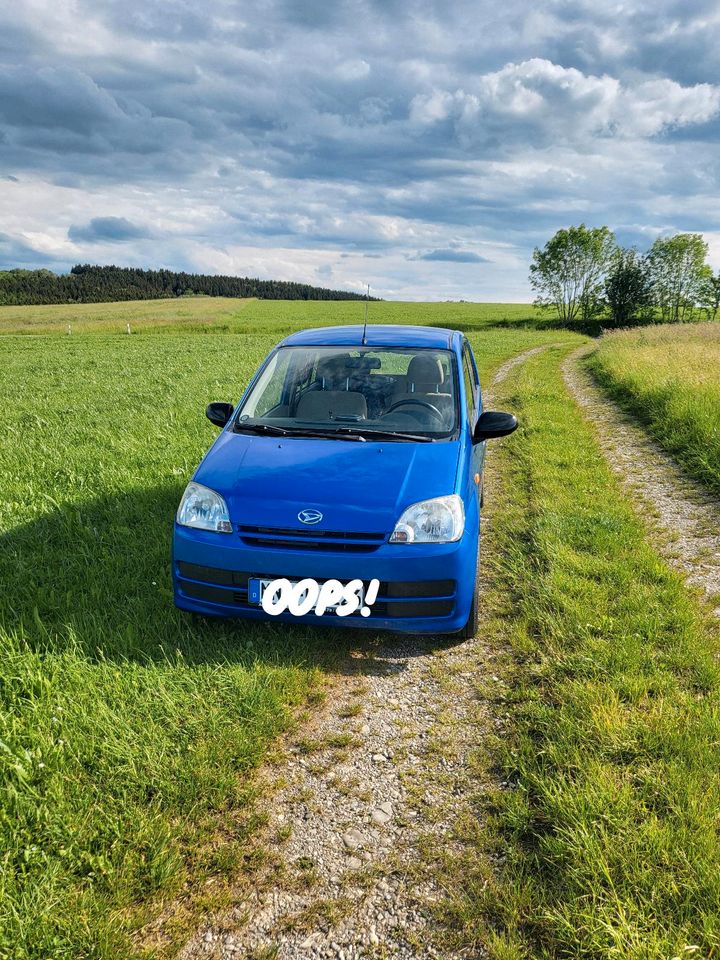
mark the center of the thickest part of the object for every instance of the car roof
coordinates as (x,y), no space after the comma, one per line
(378,335)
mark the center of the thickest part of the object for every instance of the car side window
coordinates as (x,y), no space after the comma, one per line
(470,384)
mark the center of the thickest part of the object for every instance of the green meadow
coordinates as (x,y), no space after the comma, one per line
(130,734)
(279,317)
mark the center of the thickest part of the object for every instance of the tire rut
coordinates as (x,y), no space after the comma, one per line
(683,518)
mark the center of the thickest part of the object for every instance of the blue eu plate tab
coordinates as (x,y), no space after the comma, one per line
(255,591)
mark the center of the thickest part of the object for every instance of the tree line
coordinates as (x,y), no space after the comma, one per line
(592,282)
(97,284)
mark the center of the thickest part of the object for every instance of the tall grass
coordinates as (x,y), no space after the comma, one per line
(669,377)
(608,833)
(128,732)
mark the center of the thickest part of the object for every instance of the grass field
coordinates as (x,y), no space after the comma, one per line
(669,377)
(608,836)
(183,313)
(279,317)
(129,733)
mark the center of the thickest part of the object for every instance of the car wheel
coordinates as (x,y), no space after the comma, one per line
(471,627)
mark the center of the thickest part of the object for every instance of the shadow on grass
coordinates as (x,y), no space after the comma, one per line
(95,577)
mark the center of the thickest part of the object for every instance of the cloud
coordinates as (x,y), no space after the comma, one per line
(453,256)
(58,117)
(16,253)
(112,229)
(334,137)
(546,100)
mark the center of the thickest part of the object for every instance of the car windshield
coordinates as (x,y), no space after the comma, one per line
(394,391)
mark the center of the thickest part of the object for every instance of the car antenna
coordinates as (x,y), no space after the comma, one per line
(364,336)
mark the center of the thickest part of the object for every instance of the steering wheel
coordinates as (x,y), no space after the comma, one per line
(419,403)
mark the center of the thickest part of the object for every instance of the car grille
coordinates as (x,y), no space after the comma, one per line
(396,598)
(310,539)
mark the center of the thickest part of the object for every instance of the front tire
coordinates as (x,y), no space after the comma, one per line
(469,631)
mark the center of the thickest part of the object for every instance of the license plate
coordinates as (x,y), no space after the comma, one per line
(258,585)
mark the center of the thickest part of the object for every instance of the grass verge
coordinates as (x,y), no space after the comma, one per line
(604,841)
(669,378)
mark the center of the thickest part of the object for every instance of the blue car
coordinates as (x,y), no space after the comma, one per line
(355,457)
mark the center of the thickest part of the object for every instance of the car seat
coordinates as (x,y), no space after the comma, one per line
(324,405)
(425,380)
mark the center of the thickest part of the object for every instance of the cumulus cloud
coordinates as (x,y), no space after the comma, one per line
(113,229)
(16,253)
(453,256)
(546,100)
(331,137)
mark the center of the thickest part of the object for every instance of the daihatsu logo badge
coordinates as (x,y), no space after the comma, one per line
(310,516)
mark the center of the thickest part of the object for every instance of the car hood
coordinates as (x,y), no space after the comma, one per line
(359,487)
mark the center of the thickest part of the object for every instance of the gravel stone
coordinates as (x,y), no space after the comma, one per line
(353,839)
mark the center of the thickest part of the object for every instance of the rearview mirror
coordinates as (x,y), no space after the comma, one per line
(493,424)
(219,413)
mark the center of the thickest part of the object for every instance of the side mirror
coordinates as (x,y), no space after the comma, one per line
(493,424)
(219,413)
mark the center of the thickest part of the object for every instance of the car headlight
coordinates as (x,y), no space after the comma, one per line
(441,520)
(203,509)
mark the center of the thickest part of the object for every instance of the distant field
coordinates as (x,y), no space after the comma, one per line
(227,315)
(669,377)
(181,313)
(129,731)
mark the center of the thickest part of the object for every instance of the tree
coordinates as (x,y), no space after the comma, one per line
(628,290)
(711,295)
(95,284)
(679,275)
(568,272)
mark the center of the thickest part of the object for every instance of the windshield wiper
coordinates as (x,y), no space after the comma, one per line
(340,433)
(269,429)
(243,426)
(381,434)
(334,433)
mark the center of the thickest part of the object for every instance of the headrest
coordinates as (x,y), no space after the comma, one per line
(425,369)
(333,369)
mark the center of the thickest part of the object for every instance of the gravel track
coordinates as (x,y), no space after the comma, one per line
(365,797)
(359,815)
(683,518)
(369,796)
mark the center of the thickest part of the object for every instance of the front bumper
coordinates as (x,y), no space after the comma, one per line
(424,588)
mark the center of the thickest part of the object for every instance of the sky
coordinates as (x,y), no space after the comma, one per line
(423,147)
